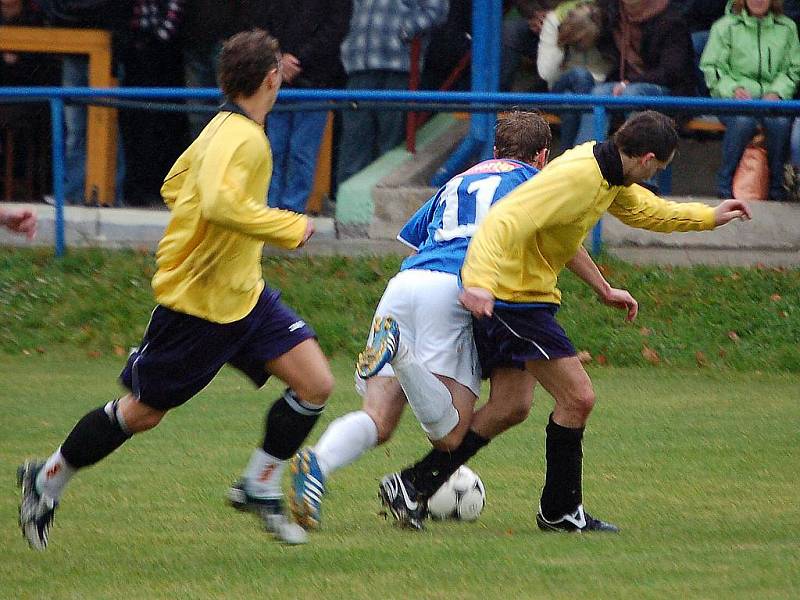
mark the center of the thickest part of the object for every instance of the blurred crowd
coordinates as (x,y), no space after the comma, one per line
(742,49)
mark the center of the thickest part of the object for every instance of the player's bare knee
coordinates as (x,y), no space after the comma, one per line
(584,402)
(317,391)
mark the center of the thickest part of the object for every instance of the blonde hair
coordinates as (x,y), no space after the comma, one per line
(775,6)
(581,27)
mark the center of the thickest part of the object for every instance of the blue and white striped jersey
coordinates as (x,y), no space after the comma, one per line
(442,227)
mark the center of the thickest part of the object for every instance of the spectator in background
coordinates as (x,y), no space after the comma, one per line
(568,58)
(700,16)
(376,55)
(753,53)
(25,69)
(207,24)
(653,53)
(520,38)
(792,172)
(113,16)
(152,140)
(448,45)
(309,33)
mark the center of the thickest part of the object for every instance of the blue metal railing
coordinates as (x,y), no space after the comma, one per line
(481,102)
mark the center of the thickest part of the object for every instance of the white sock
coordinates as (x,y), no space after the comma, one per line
(54,476)
(428,397)
(263,475)
(347,438)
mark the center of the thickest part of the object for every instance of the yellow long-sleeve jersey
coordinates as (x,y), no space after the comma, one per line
(525,240)
(209,260)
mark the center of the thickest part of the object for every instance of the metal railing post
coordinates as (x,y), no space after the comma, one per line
(57,119)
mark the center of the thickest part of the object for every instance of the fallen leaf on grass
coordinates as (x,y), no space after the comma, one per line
(775,297)
(119,351)
(94,354)
(602,360)
(701,359)
(733,336)
(645,331)
(584,356)
(651,355)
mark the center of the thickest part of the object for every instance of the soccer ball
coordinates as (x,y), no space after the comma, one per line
(462,497)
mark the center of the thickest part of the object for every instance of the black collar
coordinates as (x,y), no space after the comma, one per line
(231,106)
(608,158)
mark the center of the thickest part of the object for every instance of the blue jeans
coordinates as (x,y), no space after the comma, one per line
(200,70)
(586,128)
(794,143)
(75,73)
(295,138)
(368,134)
(699,41)
(739,130)
(578,80)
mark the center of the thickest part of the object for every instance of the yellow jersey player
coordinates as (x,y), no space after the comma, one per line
(213,306)
(512,266)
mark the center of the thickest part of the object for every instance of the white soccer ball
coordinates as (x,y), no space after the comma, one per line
(462,497)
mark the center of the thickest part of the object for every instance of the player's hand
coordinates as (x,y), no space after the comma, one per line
(290,65)
(621,299)
(741,93)
(309,232)
(478,301)
(20,221)
(728,210)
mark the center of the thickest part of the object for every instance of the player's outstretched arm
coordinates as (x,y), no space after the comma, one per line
(22,221)
(585,268)
(478,301)
(729,210)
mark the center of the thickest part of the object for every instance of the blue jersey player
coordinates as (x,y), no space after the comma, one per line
(434,364)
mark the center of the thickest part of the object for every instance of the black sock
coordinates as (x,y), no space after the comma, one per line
(430,473)
(94,437)
(289,421)
(562,486)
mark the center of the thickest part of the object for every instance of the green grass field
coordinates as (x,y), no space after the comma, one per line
(699,467)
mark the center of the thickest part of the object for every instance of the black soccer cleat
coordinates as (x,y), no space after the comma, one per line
(36,511)
(577,522)
(269,510)
(402,500)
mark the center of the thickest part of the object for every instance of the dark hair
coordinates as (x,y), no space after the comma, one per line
(775,7)
(521,134)
(647,131)
(246,59)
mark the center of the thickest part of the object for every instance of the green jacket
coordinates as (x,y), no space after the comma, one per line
(760,55)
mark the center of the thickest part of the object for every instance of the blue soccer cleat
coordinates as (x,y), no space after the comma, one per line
(308,487)
(382,348)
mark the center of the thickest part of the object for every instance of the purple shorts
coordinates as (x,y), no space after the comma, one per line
(518,333)
(180,354)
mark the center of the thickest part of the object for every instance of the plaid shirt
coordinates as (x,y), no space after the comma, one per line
(381,32)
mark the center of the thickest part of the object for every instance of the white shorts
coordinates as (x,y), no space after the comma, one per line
(433,325)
